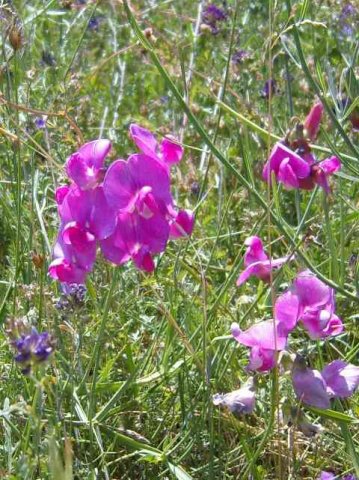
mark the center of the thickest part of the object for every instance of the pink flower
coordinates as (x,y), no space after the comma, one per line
(85,167)
(128,210)
(317,306)
(264,339)
(256,261)
(327,476)
(299,171)
(182,224)
(322,170)
(288,167)
(168,151)
(136,238)
(312,122)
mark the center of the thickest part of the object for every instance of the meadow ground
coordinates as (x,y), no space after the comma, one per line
(124,387)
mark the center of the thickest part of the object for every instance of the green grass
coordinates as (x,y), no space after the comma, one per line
(128,393)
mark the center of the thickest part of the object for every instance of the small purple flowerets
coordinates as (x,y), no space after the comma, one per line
(295,166)
(127,209)
(33,349)
(212,16)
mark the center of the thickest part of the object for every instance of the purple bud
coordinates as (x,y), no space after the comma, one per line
(33,349)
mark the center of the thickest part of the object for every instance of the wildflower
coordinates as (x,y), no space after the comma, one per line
(327,476)
(167,152)
(313,303)
(336,380)
(239,401)
(85,167)
(317,306)
(309,385)
(181,224)
(342,379)
(312,122)
(212,16)
(33,349)
(347,20)
(40,122)
(331,476)
(264,339)
(296,171)
(257,262)
(94,23)
(128,209)
(270,88)
(288,167)
(238,56)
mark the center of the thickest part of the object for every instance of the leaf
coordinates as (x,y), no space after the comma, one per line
(179,473)
(333,415)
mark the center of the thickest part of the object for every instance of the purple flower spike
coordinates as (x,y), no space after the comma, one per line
(288,167)
(312,122)
(309,385)
(212,15)
(239,401)
(33,349)
(257,263)
(342,379)
(85,166)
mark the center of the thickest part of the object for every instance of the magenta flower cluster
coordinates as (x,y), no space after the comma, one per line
(293,163)
(126,209)
(309,302)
